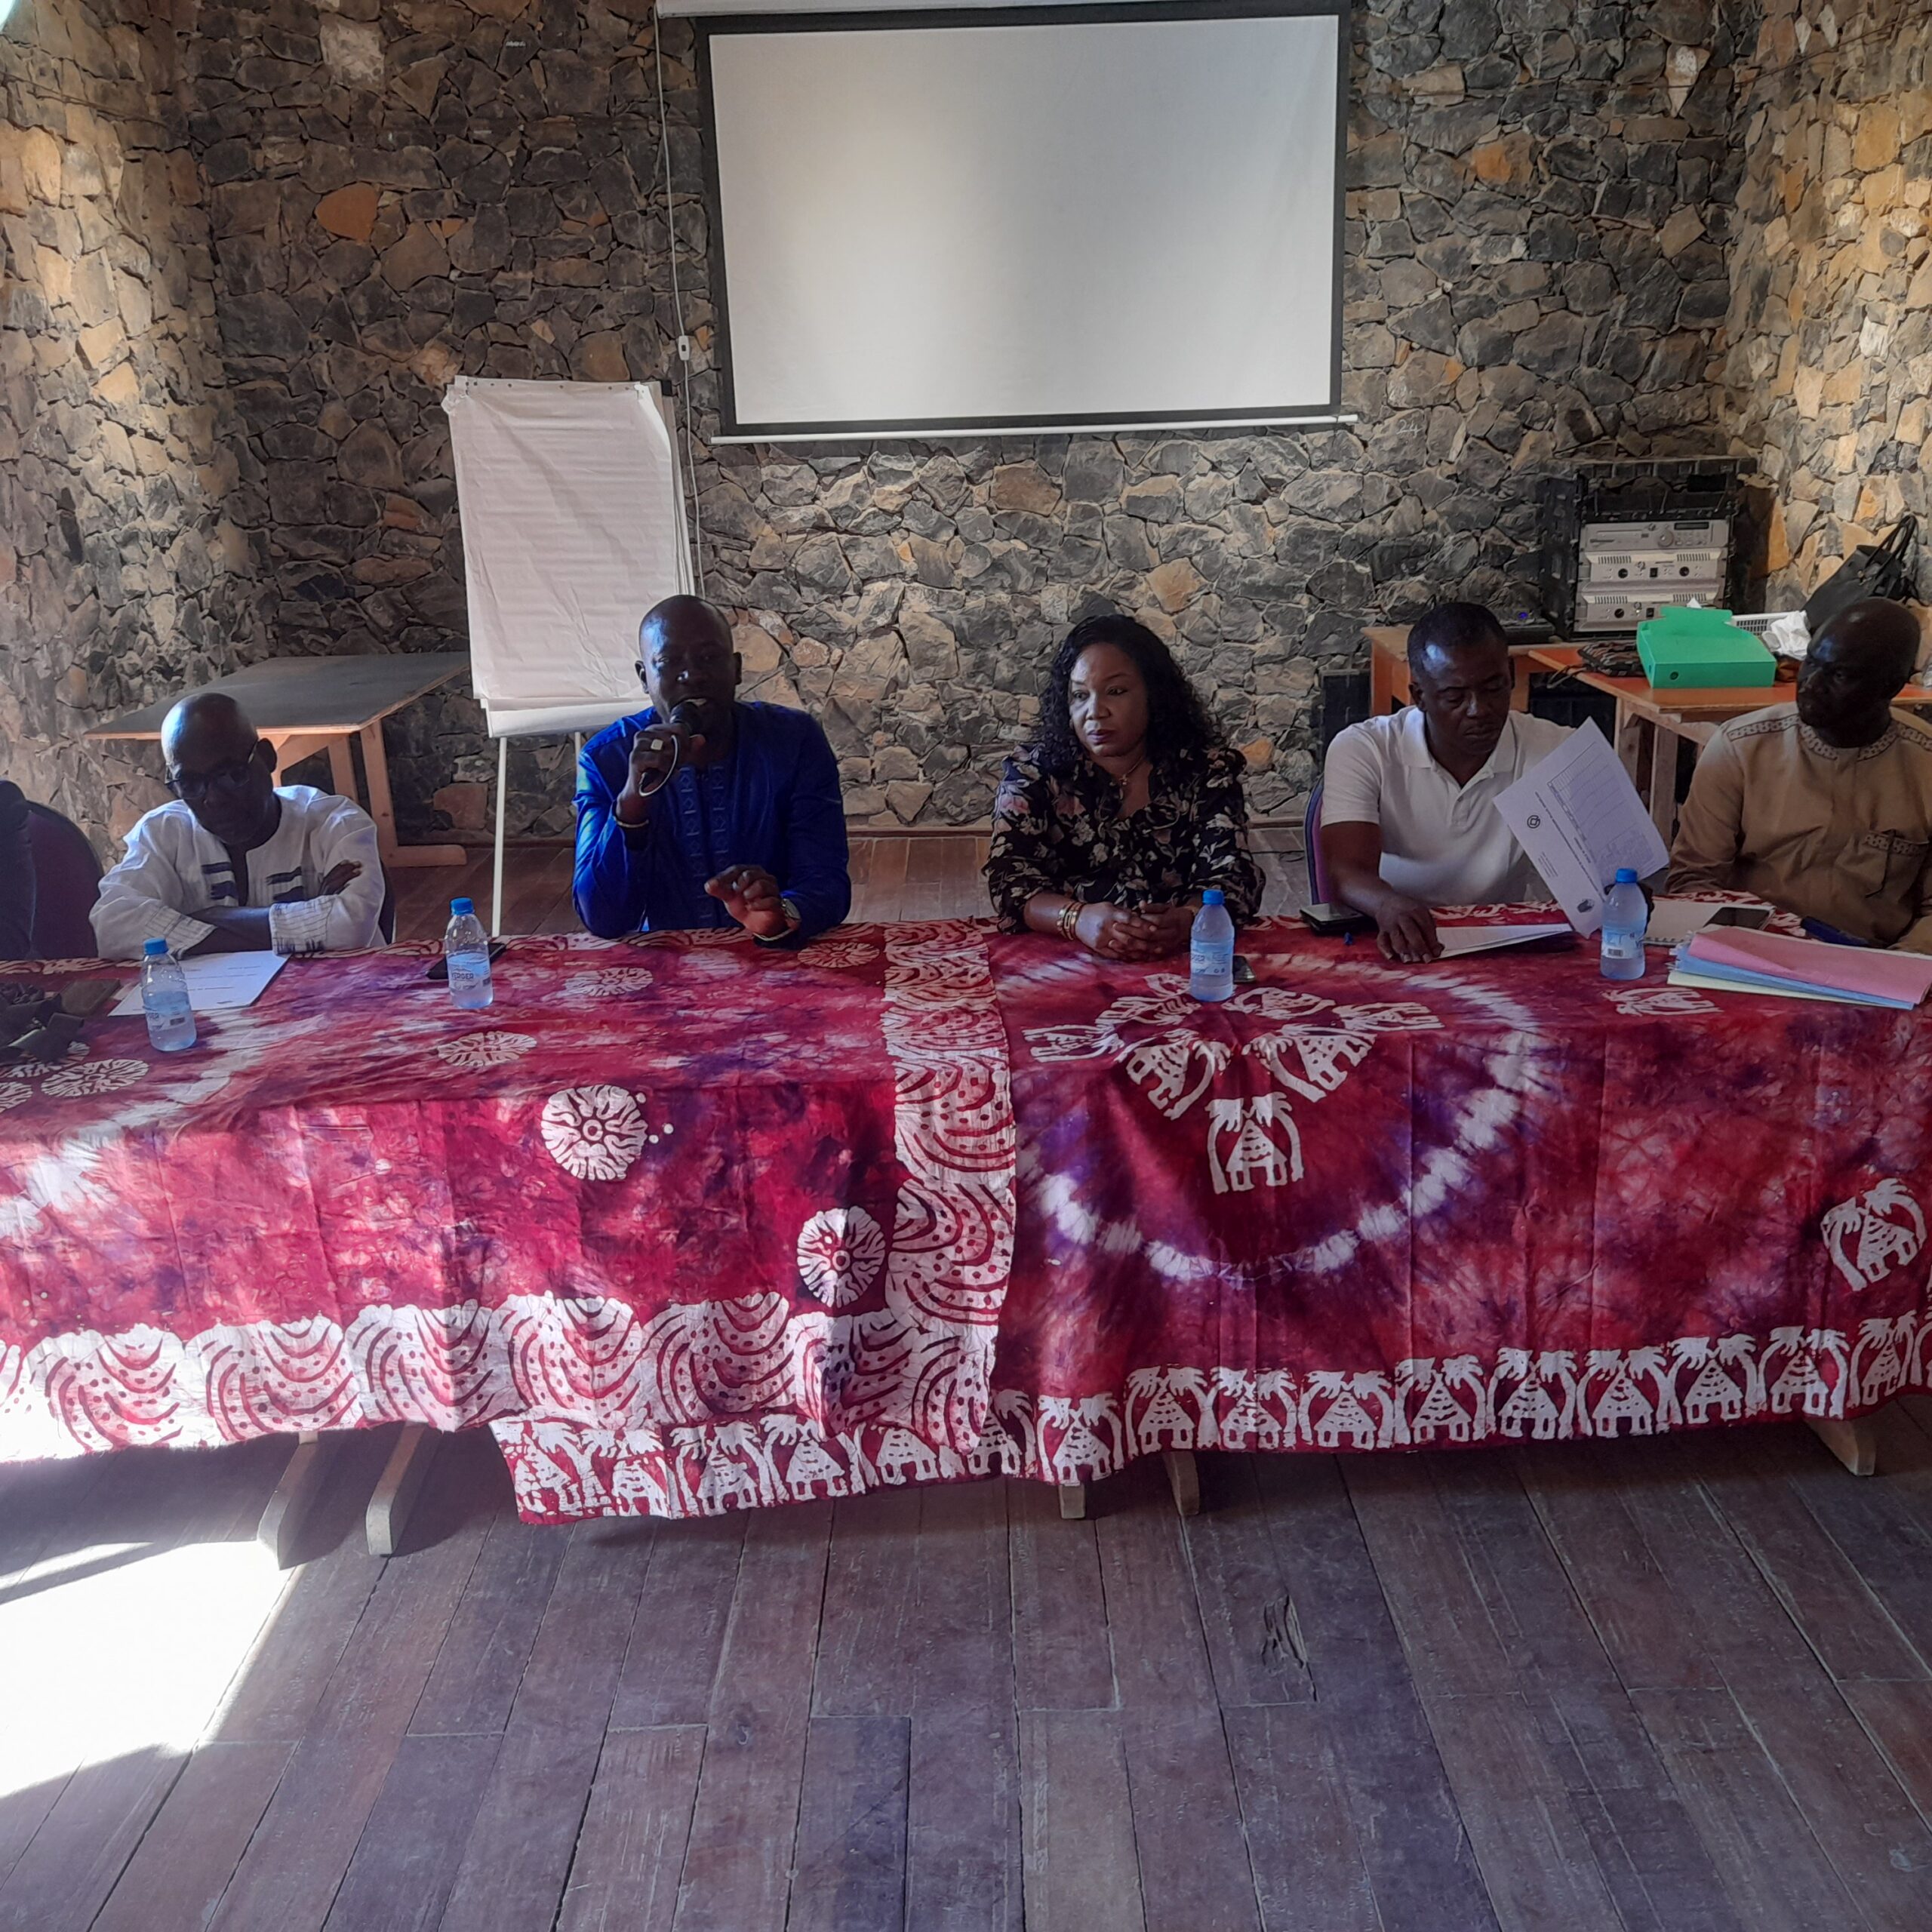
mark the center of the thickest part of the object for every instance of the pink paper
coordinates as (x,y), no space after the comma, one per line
(1906,976)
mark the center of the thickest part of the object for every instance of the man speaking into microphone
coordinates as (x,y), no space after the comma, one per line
(702,811)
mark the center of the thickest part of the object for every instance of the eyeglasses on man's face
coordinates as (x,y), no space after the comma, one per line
(231,775)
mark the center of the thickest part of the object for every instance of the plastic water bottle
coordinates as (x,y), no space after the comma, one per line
(1625,917)
(1211,951)
(466,948)
(165,999)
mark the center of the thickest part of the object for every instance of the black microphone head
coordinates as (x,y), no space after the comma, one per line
(691,716)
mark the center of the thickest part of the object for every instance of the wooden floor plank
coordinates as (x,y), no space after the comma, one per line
(1243,1590)
(1081,1870)
(961,1626)
(1308,1872)
(1420,1866)
(1189,1846)
(962,1854)
(189,1853)
(297,1858)
(963,1868)
(1160,1654)
(1880,1524)
(516,1859)
(1580,1732)
(277,1700)
(743,1827)
(1774,1871)
(65,1837)
(1876,1842)
(1535,1855)
(624,1877)
(481,1664)
(850,1873)
(865,1659)
(1898,1719)
(684,1612)
(1062,1656)
(881,900)
(1760,1485)
(1646,1629)
(405,1859)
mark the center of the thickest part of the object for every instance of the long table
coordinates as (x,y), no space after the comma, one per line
(692,1224)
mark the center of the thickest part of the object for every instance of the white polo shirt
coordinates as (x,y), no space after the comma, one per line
(1442,844)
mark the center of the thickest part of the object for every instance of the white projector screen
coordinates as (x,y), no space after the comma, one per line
(1027,220)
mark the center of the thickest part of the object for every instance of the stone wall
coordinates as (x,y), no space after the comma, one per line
(1536,225)
(119,577)
(1831,318)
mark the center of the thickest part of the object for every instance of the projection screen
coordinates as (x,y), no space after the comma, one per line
(1027,219)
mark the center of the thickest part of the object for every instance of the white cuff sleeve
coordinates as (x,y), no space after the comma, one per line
(301,928)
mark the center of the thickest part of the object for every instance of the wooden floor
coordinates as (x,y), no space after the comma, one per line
(1670,1684)
(930,876)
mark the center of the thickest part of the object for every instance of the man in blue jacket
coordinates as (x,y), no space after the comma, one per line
(702,811)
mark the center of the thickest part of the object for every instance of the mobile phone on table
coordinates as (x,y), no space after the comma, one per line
(1333,921)
(440,971)
(1243,971)
(1754,918)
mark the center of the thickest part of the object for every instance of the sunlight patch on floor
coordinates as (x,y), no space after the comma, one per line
(111,1652)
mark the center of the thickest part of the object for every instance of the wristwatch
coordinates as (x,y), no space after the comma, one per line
(794,918)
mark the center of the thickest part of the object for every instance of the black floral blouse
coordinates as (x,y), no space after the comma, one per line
(1068,834)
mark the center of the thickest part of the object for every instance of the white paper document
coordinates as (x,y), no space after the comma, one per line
(1673,920)
(1457,940)
(1579,817)
(217,982)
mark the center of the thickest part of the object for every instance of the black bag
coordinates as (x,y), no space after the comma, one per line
(1873,569)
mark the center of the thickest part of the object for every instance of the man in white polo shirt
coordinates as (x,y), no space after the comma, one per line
(1408,802)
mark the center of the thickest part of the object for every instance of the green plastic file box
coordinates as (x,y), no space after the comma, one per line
(1697,650)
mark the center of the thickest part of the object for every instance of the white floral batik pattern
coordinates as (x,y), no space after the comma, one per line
(841,1251)
(92,1076)
(595,1133)
(481,1050)
(613,982)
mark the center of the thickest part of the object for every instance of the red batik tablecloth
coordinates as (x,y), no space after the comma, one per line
(694,1224)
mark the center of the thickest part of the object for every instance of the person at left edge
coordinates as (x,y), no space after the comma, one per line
(16,879)
(747,829)
(238,863)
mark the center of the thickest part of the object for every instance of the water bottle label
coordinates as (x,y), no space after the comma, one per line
(1210,962)
(1623,945)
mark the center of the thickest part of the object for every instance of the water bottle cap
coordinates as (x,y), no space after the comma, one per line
(1625,876)
(460,906)
(154,948)
(1213,897)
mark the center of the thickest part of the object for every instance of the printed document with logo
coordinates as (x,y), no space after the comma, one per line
(1579,817)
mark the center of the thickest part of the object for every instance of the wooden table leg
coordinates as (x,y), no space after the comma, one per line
(382,809)
(1662,797)
(302,1483)
(388,1514)
(1853,1441)
(1073,1501)
(1184,1479)
(342,767)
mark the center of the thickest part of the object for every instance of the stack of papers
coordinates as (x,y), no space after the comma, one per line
(217,982)
(1728,960)
(1457,940)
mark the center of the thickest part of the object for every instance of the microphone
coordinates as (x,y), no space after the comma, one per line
(690,717)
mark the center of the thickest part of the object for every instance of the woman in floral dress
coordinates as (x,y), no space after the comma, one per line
(1107,829)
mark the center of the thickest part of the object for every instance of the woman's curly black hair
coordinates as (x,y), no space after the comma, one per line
(1177,721)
